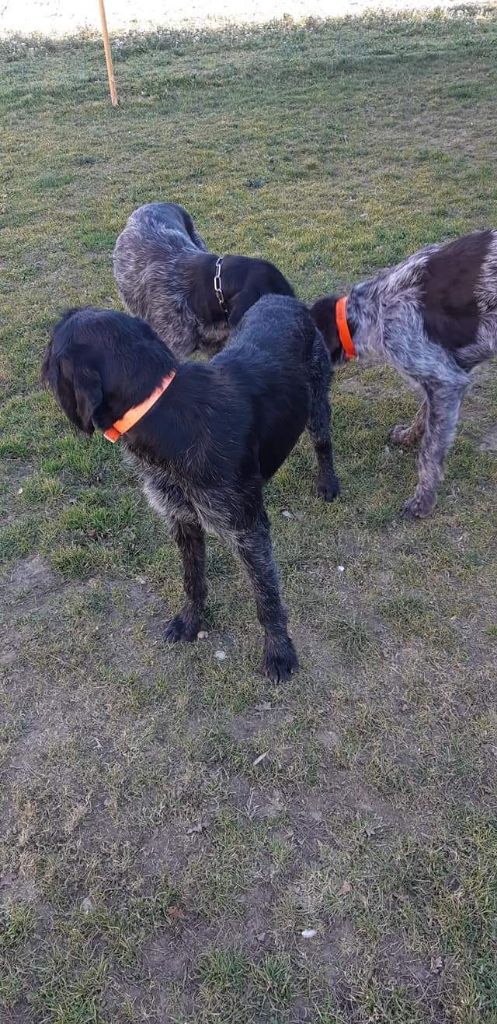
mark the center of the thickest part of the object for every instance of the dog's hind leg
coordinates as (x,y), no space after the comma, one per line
(444,404)
(256,552)
(407,436)
(319,424)
(190,539)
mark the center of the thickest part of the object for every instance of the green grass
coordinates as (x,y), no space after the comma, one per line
(170,823)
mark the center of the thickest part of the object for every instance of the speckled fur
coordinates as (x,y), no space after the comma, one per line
(206,447)
(165,274)
(154,264)
(428,319)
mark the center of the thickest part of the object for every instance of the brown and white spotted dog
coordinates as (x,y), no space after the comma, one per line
(434,318)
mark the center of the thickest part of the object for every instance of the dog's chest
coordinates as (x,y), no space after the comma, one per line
(177,499)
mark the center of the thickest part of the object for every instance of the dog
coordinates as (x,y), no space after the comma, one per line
(191,297)
(205,436)
(434,318)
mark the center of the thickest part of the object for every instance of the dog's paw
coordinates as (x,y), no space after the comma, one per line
(418,507)
(280,661)
(181,628)
(328,487)
(403,435)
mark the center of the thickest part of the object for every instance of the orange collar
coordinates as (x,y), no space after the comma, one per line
(343,329)
(134,415)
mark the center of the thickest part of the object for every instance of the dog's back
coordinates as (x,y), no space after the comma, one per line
(452,287)
(273,355)
(168,225)
(150,263)
(277,331)
(149,246)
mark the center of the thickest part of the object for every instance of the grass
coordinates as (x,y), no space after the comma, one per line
(170,824)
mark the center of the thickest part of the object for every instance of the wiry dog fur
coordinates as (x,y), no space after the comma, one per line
(165,274)
(434,318)
(220,430)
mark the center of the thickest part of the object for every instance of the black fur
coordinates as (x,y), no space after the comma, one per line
(165,274)
(219,431)
(449,291)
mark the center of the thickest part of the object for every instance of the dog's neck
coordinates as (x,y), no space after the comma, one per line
(204,300)
(324,315)
(172,429)
(365,320)
(147,368)
(362,320)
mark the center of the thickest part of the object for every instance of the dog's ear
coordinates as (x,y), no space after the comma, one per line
(323,313)
(88,395)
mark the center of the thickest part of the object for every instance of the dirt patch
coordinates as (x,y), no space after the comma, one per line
(30,581)
(254,801)
(249,726)
(39,736)
(169,851)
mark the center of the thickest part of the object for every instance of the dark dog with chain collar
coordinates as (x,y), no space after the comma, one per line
(204,437)
(191,297)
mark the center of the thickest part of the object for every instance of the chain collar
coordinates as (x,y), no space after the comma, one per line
(218,288)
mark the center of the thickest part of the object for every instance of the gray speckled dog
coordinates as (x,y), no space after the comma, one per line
(434,318)
(191,297)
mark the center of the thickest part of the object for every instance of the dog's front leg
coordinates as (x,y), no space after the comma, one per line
(191,542)
(319,425)
(256,552)
(444,404)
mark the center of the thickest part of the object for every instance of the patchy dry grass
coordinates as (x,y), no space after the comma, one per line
(156,868)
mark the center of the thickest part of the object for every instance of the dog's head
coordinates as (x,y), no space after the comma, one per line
(323,313)
(246,280)
(100,363)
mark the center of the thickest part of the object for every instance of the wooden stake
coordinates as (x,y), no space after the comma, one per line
(108,55)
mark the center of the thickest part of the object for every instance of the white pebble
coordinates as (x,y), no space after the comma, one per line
(287,514)
(309,933)
(220,655)
(202,635)
(340,568)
